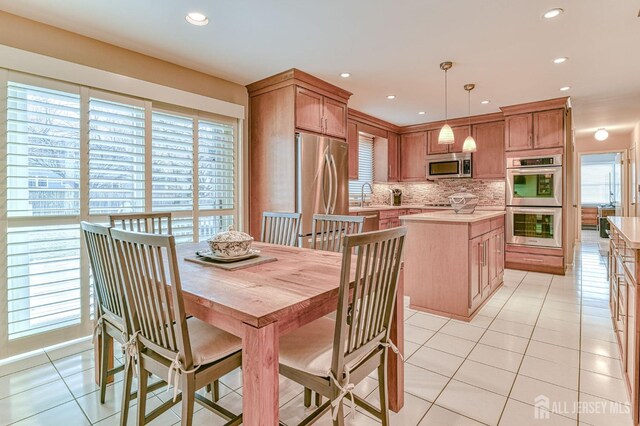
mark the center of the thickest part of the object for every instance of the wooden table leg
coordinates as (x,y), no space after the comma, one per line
(97,353)
(260,384)
(395,366)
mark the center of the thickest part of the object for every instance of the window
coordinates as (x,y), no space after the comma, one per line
(600,179)
(365,168)
(75,153)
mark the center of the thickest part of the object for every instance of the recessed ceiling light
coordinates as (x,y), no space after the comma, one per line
(391,96)
(560,60)
(197,18)
(422,112)
(565,88)
(552,13)
(484,102)
(601,134)
(345,75)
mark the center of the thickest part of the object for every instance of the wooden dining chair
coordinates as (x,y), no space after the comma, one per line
(280,228)
(185,352)
(330,356)
(151,223)
(328,231)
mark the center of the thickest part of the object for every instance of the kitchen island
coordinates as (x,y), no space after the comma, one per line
(453,262)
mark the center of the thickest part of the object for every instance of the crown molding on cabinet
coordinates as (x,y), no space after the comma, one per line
(299,78)
(548,104)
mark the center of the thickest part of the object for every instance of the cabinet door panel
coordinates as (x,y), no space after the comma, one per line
(475,266)
(518,132)
(335,115)
(308,110)
(460,133)
(394,167)
(413,150)
(434,146)
(353,141)
(484,266)
(632,354)
(492,258)
(500,233)
(548,129)
(488,160)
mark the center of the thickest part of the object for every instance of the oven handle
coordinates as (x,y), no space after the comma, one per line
(535,210)
(535,171)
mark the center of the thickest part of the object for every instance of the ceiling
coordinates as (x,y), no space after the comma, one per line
(505,47)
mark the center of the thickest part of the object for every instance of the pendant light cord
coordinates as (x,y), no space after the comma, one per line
(445,97)
(469,108)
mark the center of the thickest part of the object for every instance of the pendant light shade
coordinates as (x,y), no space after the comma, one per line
(446,134)
(469,143)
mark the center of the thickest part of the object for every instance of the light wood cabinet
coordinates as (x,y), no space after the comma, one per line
(434,148)
(309,114)
(476,247)
(535,130)
(460,133)
(548,129)
(335,118)
(518,132)
(413,152)
(488,160)
(353,141)
(320,114)
(393,148)
(495,253)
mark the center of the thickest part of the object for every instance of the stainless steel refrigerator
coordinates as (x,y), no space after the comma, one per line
(322,179)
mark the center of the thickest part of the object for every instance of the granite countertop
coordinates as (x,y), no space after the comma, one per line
(451,216)
(374,208)
(629,228)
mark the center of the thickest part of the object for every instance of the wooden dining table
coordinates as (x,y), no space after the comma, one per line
(262,302)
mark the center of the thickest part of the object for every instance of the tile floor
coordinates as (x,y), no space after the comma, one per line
(539,335)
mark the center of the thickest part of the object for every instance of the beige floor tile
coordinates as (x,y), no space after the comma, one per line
(601,412)
(505,341)
(600,347)
(602,386)
(517,413)
(65,350)
(15,364)
(416,334)
(67,414)
(450,344)
(33,401)
(557,354)
(441,416)
(472,402)
(527,390)
(414,409)
(601,364)
(486,377)
(513,328)
(74,364)
(550,372)
(23,380)
(496,357)
(464,331)
(428,321)
(436,361)
(422,383)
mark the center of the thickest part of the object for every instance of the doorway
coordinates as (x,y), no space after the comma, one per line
(601,193)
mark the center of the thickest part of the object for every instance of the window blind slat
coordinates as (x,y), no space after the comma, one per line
(365,168)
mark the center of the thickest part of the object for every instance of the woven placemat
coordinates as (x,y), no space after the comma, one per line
(231,266)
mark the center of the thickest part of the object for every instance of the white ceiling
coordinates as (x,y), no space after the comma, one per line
(391,47)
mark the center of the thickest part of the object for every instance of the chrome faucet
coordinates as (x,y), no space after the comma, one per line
(362,193)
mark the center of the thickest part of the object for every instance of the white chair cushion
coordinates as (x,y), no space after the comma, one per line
(209,343)
(310,348)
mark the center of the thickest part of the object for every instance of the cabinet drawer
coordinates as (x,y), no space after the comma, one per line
(388,214)
(479,228)
(534,259)
(497,223)
(414,211)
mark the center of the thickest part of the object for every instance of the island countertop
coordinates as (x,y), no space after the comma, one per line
(451,216)
(629,228)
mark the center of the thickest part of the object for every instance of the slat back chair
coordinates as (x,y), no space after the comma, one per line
(361,334)
(328,231)
(153,293)
(150,223)
(113,319)
(280,228)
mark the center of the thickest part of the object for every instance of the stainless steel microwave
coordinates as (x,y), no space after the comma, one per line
(449,166)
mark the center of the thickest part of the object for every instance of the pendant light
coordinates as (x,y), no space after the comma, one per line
(446,134)
(469,143)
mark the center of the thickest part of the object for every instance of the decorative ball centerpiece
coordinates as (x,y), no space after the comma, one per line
(463,202)
(230,243)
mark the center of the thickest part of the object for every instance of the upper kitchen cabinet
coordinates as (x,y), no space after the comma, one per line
(488,160)
(413,153)
(353,140)
(279,106)
(535,125)
(320,114)
(460,133)
(392,150)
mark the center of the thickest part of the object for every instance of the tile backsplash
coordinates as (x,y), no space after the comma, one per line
(489,192)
